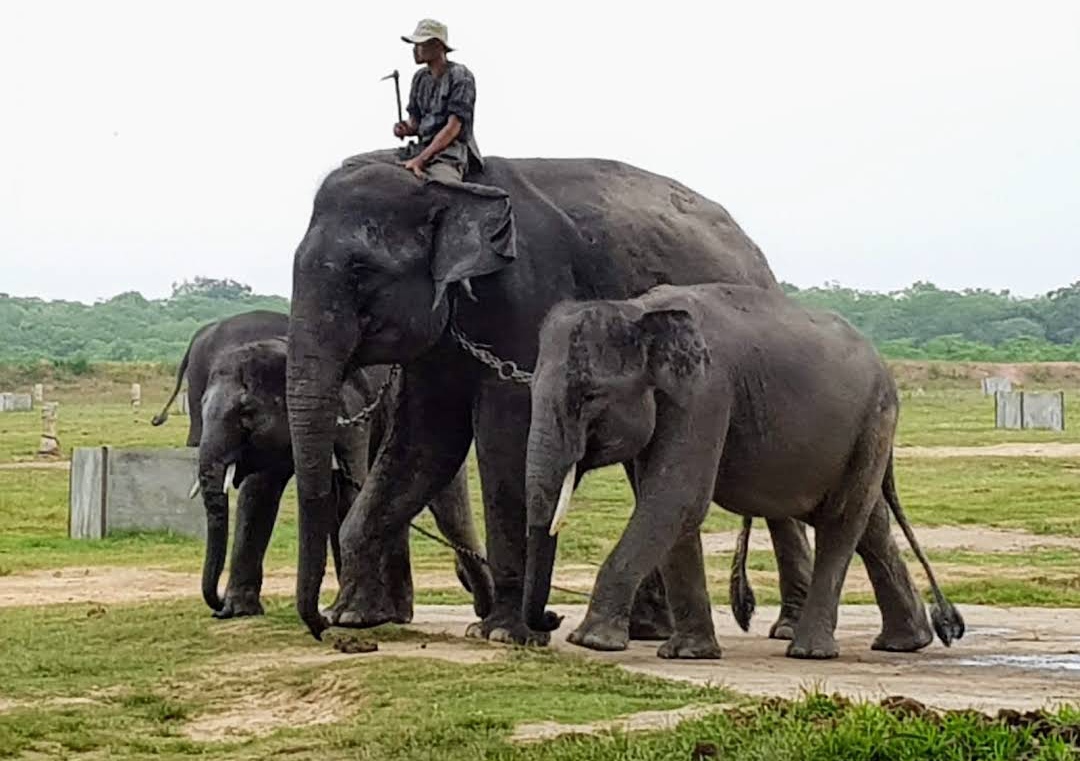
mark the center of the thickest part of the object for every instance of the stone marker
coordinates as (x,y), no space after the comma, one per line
(50,444)
(11,402)
(126,489)
(39,392)
(1030,410)
(991,386)
(136,396)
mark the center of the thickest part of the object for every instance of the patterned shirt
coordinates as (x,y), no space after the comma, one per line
(432,101)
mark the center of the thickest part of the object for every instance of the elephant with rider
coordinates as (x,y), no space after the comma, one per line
(450,281)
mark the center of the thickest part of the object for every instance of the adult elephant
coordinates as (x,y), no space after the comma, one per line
(393,269)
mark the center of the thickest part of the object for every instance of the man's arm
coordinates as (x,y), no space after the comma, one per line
(445,136)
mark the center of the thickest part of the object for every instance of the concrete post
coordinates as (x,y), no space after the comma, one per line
(50,444)
(39,392)
(136,396)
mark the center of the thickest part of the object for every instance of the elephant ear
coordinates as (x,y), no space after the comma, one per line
(474,233)
(676,351)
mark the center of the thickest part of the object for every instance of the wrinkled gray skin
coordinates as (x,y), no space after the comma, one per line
(733,395)
(243,423)
(384,258)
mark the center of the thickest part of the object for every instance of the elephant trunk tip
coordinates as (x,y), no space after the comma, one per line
(160,418)
(213,600)
(316,622)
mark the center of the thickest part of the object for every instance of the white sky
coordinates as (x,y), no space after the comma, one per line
(871,143)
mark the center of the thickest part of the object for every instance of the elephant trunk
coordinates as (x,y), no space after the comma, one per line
(213,481)
(549,484)
(317,351)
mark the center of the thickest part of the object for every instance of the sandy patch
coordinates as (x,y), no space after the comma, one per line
(971,538)
(11,705)
(256,714)
(643,721)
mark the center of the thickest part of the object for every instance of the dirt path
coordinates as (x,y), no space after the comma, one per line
(972,538)
(1047,449)
(106,585)
(1021,658)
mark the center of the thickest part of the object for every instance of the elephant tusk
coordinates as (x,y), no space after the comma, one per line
(230,474)
(334,463)
(196,487)
(563,507)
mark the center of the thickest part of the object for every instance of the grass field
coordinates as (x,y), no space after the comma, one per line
(138,681)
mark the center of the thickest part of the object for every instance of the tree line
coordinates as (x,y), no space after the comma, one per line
(918,322)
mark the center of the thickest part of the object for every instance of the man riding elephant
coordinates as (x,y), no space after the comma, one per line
(442,101)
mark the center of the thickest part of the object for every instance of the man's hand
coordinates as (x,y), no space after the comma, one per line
(403,129)
(416,166)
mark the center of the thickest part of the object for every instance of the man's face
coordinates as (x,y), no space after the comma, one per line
(426,52)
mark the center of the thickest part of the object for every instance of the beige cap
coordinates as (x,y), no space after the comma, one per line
(428,29)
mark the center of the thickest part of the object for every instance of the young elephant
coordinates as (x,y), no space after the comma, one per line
(726,394)
(243,438)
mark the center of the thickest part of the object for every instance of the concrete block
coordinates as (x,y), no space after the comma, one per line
(1045,410)
(140,490)
(991,386)
(1030,409)
(39,392)
(11,402)
(1009,409)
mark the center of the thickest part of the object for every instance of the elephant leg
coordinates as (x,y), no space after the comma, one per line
(256,512)
(688,596)
(794,563)
(501,422)
(905,626)
(454,518)
(424,447)
(650,616)
(839,524)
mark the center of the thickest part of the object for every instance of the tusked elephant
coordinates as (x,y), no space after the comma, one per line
(729,394)
(395,270)
(244,442)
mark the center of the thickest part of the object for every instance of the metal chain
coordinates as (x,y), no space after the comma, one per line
(367,412)
(506,368)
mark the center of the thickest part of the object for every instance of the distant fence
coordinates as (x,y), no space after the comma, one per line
(115,489)
(1030,409)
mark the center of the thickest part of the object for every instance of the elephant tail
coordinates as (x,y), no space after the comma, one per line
(948,623)
(742,596)
(162,416)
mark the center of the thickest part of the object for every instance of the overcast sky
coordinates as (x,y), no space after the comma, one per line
(870,143)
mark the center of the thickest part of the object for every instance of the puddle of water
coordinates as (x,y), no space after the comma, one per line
(1048,662)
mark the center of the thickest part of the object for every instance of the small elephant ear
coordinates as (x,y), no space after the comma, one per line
(474,233)
(676,350)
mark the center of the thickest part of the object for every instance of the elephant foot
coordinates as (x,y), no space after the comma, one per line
(598,633)
(821,646)
(350,613)
(907,640)
(690,646)
(239,604)
(508,631)
(784,628)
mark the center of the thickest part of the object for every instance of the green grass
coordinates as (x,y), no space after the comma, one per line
(965,418)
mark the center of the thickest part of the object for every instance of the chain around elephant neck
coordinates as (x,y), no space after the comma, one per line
(367,412)
(506,369)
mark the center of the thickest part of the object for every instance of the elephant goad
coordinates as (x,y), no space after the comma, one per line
(378,279)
